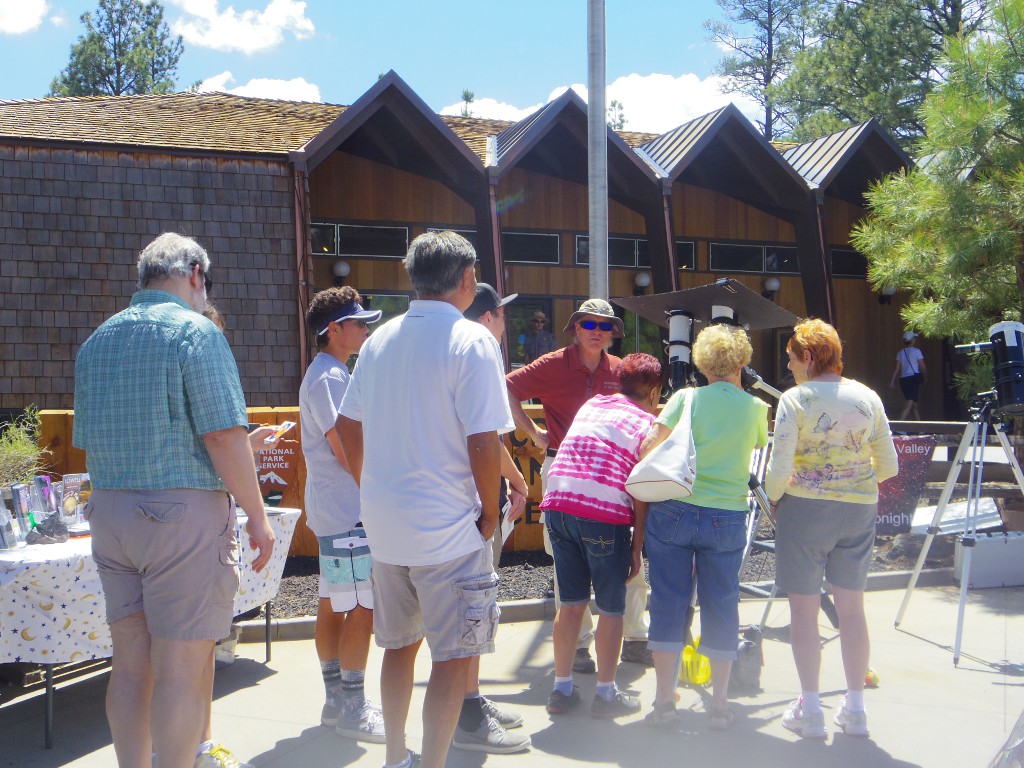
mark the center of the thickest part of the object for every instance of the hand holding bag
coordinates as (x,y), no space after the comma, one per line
(668,472)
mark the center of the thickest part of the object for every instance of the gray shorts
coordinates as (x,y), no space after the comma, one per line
(171,554)
(453,604)
(817,538)
(345,567)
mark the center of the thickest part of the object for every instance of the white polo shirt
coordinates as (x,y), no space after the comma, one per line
(423,383)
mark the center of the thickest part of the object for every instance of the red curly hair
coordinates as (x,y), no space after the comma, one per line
(822,341)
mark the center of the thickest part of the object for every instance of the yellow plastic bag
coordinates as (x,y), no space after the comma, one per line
(696,667)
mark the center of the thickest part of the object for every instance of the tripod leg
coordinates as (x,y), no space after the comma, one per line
(969,438)
(965,579)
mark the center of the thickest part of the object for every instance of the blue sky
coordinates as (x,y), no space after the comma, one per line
(513,56)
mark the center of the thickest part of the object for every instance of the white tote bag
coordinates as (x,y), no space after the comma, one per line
(669,470)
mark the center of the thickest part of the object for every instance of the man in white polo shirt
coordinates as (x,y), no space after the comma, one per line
(419,424)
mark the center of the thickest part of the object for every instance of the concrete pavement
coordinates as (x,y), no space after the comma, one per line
(924,713)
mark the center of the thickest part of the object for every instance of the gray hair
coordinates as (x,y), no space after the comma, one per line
(170,255)
(436,262)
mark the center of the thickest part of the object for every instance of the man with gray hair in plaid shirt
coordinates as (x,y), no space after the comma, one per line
(160,412)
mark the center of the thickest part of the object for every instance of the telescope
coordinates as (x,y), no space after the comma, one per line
(1006,344)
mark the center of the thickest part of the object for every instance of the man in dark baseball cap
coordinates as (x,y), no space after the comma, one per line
(487,300)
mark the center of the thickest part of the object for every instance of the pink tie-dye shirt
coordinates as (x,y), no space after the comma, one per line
(588,476)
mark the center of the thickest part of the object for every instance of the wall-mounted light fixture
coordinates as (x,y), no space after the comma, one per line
(640,283)
(341,270)
(771,287)
(885,297)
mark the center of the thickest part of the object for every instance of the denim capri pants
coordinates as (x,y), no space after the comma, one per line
(679,536)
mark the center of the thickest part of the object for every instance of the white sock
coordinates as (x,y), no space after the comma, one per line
(606,690)
(811,702)
(205,747)
(407,763)
(855,701)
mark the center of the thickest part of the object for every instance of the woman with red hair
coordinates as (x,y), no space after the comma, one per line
(597,529)
(832,449)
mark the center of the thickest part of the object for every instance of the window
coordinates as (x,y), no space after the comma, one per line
(848,263)
(622,251)
(727,257)
(779,258)
(469,234)
(529,248)
(356,240)
(686,258)
(324,240)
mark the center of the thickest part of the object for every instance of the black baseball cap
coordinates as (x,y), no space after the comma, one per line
(487,300)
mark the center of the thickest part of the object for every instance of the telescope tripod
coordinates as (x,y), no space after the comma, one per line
(974,439)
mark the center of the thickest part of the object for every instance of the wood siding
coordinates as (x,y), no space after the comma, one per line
(72,222)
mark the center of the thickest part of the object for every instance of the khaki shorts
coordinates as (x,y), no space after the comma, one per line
(453,604)
(171,554)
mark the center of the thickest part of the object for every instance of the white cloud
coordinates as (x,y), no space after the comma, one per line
(59,19)
(652,103)
(21,16)
(296,89)
(250,31)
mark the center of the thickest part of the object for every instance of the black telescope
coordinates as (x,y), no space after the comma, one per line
(1006,343)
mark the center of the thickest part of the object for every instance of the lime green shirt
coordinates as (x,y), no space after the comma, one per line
(728,424)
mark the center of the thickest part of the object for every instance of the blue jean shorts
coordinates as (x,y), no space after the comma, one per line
(683,537)
(590,552)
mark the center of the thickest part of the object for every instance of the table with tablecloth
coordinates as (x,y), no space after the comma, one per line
(51,603)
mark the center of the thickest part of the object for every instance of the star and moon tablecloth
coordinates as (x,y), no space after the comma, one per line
(51,602)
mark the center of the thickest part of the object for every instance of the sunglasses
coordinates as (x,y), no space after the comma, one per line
(537,322)
(589,325)
(207,280)
(360,323)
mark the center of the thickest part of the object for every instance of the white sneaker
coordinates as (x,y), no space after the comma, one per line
(807,725)
(852,723)
(366,724)
(219,757)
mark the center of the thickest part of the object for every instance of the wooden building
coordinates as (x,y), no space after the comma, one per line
(290,198)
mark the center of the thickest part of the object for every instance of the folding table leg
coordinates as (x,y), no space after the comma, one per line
(48,716)
(266,632)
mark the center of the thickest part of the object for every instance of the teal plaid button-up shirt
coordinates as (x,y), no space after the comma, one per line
(149,383)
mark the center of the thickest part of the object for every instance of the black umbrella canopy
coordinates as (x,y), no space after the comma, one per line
(753,311)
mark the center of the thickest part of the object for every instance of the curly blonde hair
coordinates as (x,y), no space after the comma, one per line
(721,350)
(822,341)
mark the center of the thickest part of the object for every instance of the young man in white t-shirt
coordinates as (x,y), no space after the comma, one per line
(345,610)
(420,423)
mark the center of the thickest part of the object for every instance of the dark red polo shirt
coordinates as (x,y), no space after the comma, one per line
(563,384)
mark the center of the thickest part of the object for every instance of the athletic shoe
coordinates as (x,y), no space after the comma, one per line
(329,713)
(620,704)
(366,725)
(506,718)
(852,723)
(808,726)
(637,652)
(490,737)
(414,760)
(560,703)
(584,662)
(219,757)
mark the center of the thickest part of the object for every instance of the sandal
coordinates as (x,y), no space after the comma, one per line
(721,719)
(664,716)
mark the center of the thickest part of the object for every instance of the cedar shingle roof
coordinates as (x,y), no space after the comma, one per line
(209,122)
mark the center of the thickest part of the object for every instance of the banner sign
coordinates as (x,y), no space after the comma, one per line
(898,496)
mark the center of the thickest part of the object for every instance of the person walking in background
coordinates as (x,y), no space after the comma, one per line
(160,412)
(419,424)
(564,380)
(912,371)
(832,448)
(344,619)
(597,530)
(483,726)
(703,535)
(538,341)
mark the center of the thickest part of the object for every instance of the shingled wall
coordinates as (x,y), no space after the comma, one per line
(72,222)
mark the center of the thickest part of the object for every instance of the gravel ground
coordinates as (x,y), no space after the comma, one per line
(527,575)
